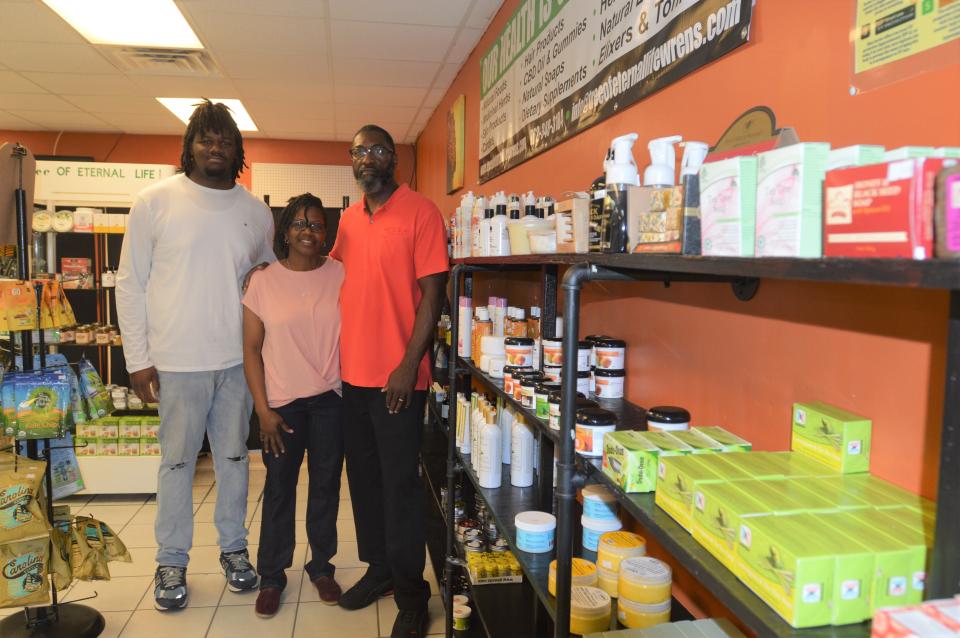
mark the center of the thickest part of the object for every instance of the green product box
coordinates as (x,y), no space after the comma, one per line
(832,436)
(107,447)
(130,427)
(908,152)
(789,568)
(669,445)
(700,442)
(108,427)
(764,465)
(150,427)
(859,155)
(718,464)
(718,509)
(836,490)
(630,460)
(909,527)
(128,446)
(886,494)
(149,447)
(88,430)
(728,441)
(85,446)
(899,565)
(855,566)
(785,496)
(677,479)
(728,207)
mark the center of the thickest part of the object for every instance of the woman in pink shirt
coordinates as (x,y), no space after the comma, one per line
(291,358)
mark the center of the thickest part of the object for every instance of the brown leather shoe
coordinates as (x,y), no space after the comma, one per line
(268,602)
(328,589)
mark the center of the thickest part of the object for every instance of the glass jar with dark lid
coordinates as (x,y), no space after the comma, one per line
(668,414)
(518,341)
(596,416)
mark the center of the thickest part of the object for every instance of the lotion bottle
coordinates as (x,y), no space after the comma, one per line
(621,174)
(521,452)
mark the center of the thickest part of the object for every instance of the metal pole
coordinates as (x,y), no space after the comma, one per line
(452,446)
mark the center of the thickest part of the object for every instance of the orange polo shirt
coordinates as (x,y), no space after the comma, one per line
(383,257)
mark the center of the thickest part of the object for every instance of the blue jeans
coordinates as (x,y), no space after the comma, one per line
(191,403)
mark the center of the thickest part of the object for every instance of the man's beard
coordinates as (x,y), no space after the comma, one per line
(374,181)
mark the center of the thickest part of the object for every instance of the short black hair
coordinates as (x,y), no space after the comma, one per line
(373,128)
(295,204)
(213,118)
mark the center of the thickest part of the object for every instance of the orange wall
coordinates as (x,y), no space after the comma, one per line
(876,350)
(165,149)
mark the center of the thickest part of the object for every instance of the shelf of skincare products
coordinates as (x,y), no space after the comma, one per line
(931,273)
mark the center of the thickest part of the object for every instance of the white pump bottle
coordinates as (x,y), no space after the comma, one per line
(663,160)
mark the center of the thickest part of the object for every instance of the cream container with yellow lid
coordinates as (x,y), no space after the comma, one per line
(614,547)
(583,573)
(645,580)
(608,581)
(590,610)
(640,616)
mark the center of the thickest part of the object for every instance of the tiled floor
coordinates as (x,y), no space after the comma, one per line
(126,601)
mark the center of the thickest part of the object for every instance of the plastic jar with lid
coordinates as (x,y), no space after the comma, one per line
(518,379)
(608,384)
(528,389)
(101,336)
(590,609)
(461,599)
(592,340)
(609,581)
(599,502)
(554,373)
(645,580)
(542,392)
(609,354)
(583,382)
(664,418)
(584,351)
(509,373)
(461,617)
(583,573)
(634,615)
(68,334)
(84,335)
(615,547)
(552,353)
(594,528)
(535,531)
(592,424)
(519,351)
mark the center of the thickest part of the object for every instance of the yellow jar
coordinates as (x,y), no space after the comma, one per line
(461,617)
(589,610)
(583,573)
(645,580)
(613,547)
(639,616)
(608,581)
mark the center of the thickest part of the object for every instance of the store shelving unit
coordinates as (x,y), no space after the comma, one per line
(744,275)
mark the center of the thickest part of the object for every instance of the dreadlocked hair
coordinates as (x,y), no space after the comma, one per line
(294,205)
(211,118)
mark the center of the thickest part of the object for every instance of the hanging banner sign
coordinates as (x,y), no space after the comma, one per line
(561,66)
(101,183)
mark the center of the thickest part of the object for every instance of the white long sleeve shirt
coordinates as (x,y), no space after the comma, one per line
(185,253)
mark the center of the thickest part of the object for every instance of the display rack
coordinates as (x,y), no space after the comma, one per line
(744,275)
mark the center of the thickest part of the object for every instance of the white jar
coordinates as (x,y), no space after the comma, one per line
(609,383)
(594,528)
(535,531)
(599,502)
(592,424)
(552,353)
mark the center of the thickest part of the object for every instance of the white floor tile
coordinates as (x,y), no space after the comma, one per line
(346,530)
(205,513)
(335,621)
(204,560)
(146,516)
(119,499)
(205,534)
(204,590)
(138,535)
(387,609)
(230,622)
(200,493)
(144,563)
(347,556)
(192,622)
(116,516)
(204,477)
(346,578)
(117,594)
(115,623)
(290,595)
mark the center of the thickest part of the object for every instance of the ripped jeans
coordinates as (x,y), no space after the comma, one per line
(191,403)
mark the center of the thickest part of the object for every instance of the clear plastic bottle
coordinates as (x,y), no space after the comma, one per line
(521,454)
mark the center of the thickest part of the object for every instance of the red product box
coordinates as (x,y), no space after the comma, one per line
(77,272)
(916,621)
(881,210)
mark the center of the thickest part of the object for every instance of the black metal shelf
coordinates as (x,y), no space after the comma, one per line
(931,273)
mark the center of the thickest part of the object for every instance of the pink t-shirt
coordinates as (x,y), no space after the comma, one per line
(300,312)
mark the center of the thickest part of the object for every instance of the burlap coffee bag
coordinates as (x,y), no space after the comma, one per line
(23,572)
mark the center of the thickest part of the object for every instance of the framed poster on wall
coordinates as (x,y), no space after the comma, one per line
(455,144)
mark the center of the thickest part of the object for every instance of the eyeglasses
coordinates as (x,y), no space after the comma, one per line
(379,152)
(315,227)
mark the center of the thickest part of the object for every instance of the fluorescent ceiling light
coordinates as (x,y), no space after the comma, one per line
(183,108)
(147,23)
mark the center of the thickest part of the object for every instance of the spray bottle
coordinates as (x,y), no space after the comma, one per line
(621,174)
(663,162)
(499,239)
(694,153)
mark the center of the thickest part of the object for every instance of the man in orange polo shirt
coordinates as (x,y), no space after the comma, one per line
(392,244)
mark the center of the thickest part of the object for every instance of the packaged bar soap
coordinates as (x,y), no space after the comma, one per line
(677,479)
(790,200)
(730,442)
(789,568)
(881,210)
(947,213)
(655,219)
(630,460)
(717,513)
(786,496)
(908,152)
(833,436)
(859,155)
(699,441)
(728,207)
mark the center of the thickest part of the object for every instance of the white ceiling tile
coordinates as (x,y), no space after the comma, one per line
(35,22)
(483,12)
(284,126)
(446,76)
(463,45)
(277,34)
(444,13)
(77,121)
(288,108)
(140,123)
(252,65)
(346,128)
(380,41)
(434,97)
(54,58)
(11,82)
(385,112)
(384,72)
(174,86)
(84,84)
(302,8)
(14,123)
(34,102)
(118,104)
(275,89)
(326,135)
(359,94)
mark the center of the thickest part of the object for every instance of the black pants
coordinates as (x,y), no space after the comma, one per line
(317,430)
(388,503)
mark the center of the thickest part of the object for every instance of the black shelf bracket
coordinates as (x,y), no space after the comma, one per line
(745,288)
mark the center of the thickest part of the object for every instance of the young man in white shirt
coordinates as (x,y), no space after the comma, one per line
(190,239)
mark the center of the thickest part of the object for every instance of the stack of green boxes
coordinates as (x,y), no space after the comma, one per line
(119,436)
(810,532)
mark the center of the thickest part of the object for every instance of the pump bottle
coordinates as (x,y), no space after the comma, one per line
(621,174)
(663,162)
(694,154)
(499,237)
